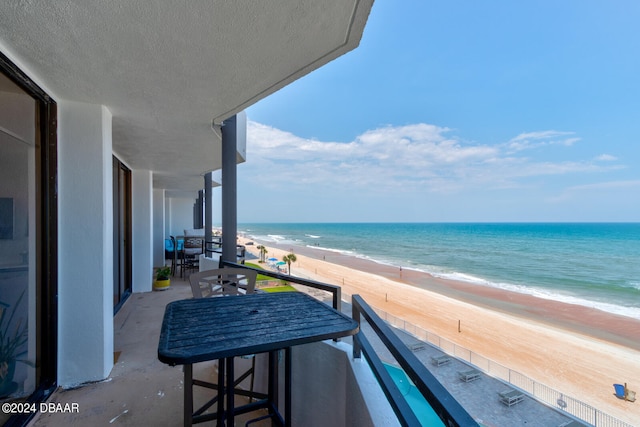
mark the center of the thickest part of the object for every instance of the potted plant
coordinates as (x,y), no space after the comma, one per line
(11,341)
(163,281)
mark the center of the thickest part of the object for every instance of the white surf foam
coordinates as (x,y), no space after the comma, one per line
(554,295)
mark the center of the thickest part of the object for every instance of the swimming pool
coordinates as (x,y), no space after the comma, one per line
(418,404)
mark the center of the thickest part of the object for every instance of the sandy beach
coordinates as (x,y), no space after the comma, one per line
(576,350)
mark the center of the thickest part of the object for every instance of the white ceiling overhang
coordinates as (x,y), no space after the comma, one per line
(167,69)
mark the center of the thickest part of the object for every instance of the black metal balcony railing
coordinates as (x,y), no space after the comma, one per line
(334,290)
(215,246)
(446,407)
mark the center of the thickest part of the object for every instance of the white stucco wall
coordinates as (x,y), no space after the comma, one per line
(158,227)
(85,243)
(241,134)
(345,387)
(85,237)
(181,215)
(142,230)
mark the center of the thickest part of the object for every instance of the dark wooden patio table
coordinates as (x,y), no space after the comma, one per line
(197,330)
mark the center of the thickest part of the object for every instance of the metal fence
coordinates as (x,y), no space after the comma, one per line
(539,391)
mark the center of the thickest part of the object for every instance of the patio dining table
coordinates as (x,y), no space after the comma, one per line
(198,330)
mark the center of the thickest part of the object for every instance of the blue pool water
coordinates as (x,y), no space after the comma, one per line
(426,415)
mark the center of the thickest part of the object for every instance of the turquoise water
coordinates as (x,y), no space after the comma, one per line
(418,404)
(595,265)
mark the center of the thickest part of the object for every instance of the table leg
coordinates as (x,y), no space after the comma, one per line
(230,396)
(220,413)
(287,387)
(188,394)
(182,265)
(272,390)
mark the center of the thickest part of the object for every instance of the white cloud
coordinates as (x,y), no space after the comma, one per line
(414,158)
(606,185)
(572,192)
(530,140)
(606,158)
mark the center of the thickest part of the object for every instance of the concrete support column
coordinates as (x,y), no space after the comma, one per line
(208,209)
(229,190)
(85,243)
(142,230)
(158,227)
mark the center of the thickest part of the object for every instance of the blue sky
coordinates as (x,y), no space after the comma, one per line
(458,111)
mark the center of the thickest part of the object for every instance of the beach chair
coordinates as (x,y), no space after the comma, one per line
(623,392)
(222,282)
(619,389)
(629,395)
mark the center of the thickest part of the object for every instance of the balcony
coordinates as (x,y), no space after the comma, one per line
(330,386)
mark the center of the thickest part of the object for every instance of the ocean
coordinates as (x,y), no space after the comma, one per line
(592,264)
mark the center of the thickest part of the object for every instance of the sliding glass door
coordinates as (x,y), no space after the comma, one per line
(121,233)
(28,239)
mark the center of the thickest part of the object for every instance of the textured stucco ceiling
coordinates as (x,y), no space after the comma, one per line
(168,69)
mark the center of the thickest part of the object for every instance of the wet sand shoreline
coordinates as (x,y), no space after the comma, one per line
(589,321)
(576,350)
(617,329)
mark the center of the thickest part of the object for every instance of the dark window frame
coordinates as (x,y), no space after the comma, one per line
(122,252)
(47,237)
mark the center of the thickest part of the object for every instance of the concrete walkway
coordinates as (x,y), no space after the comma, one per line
(479,397)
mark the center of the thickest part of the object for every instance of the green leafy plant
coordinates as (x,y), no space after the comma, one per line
(11,339)
(163,273)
